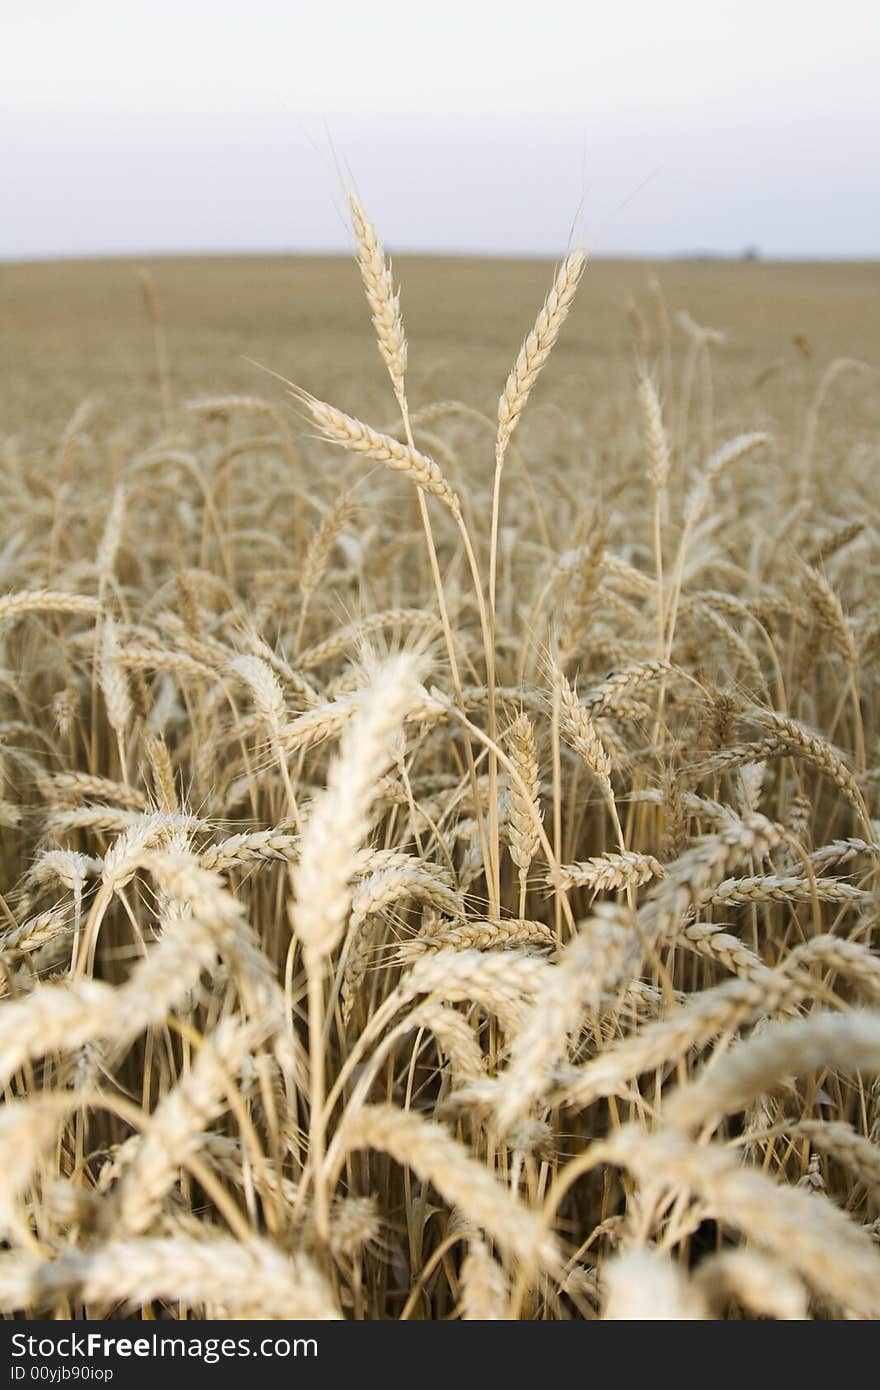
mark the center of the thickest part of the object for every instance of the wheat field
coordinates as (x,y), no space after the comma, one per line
(439,790)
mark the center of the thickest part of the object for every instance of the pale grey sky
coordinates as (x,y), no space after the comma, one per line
(467,125)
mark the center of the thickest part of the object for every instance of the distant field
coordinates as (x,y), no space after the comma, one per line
(72,329)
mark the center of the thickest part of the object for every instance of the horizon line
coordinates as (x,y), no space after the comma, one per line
(749,253)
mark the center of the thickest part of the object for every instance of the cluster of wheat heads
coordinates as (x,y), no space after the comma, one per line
(452,897)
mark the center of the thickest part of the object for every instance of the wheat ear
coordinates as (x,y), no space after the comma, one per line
(384,302)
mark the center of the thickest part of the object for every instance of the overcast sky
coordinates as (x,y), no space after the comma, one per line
(466,125)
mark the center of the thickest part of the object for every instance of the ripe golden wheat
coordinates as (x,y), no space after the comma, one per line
(440,879)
